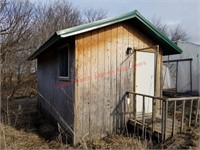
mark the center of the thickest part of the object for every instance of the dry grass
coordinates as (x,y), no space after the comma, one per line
(14,139)
(19,139)
(189,139)
(31,130)
(116,142)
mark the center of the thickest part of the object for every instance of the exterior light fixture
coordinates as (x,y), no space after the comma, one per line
(129,50)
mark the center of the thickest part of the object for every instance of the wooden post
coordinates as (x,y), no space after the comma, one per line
(182,118)
(143,117)
(166,112)
(163,121)
(174,118)
(190,113)
(197,111)
(134,88)
(134,113)
(153,114)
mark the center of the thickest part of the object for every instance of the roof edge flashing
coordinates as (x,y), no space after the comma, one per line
(162,39)
(94,27)
(101,23)
(159,33)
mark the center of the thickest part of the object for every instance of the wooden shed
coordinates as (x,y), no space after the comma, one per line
(84,73)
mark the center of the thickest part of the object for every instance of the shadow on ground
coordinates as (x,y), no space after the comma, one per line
(24,116)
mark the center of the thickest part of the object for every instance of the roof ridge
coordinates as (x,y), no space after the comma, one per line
(133,13)
(163,40)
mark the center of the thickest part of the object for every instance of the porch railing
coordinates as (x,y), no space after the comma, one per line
(169,109)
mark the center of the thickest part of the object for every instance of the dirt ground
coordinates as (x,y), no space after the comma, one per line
(26,128)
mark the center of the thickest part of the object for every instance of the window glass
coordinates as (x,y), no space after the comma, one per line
(64,62)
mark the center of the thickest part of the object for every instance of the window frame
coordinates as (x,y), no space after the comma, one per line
(68,62)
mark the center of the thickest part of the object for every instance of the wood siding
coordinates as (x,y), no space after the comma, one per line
(55,96)
(103,75)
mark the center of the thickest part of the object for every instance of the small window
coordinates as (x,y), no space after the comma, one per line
(64,62)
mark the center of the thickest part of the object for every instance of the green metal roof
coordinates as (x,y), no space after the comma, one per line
(135,17)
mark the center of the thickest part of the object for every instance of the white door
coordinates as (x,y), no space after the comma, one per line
(145,76)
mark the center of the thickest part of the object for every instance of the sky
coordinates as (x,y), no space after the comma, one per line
(172,12)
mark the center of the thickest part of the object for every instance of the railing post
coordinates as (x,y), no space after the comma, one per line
(163,121)
(153,114)
(134,112)
(197,111)
(166,112)
(190,113)
(143,116)
(182,117)
(174,118)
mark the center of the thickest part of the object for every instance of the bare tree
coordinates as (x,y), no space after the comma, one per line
(22,23)
(15,34)
(175,33)
(160,25)
(55,16)
(91,15)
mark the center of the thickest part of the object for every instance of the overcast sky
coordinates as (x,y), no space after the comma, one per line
(172,12)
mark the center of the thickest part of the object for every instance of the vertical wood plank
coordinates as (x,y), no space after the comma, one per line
(89,74)
(190,113)
(108,75)
(104,79)
(100,79)
(111,102)
(94,84)
(197,111)
(76,93)
(120,77)
(113,79)
(79,73)
(85,82)
(182,117)
(174,119)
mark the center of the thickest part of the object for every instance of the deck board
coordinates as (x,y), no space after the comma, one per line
(157,130)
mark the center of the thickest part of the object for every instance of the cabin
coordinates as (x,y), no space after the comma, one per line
(96,77)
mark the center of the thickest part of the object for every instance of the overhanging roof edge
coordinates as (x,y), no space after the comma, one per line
(103,23)
(158,33)
(48,43)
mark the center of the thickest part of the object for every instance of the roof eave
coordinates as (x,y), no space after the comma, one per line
(173,48)
(159,34)
(54,38)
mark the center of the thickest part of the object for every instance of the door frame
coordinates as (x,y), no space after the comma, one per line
(151,49)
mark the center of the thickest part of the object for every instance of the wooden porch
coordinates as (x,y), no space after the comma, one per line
(174,114)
